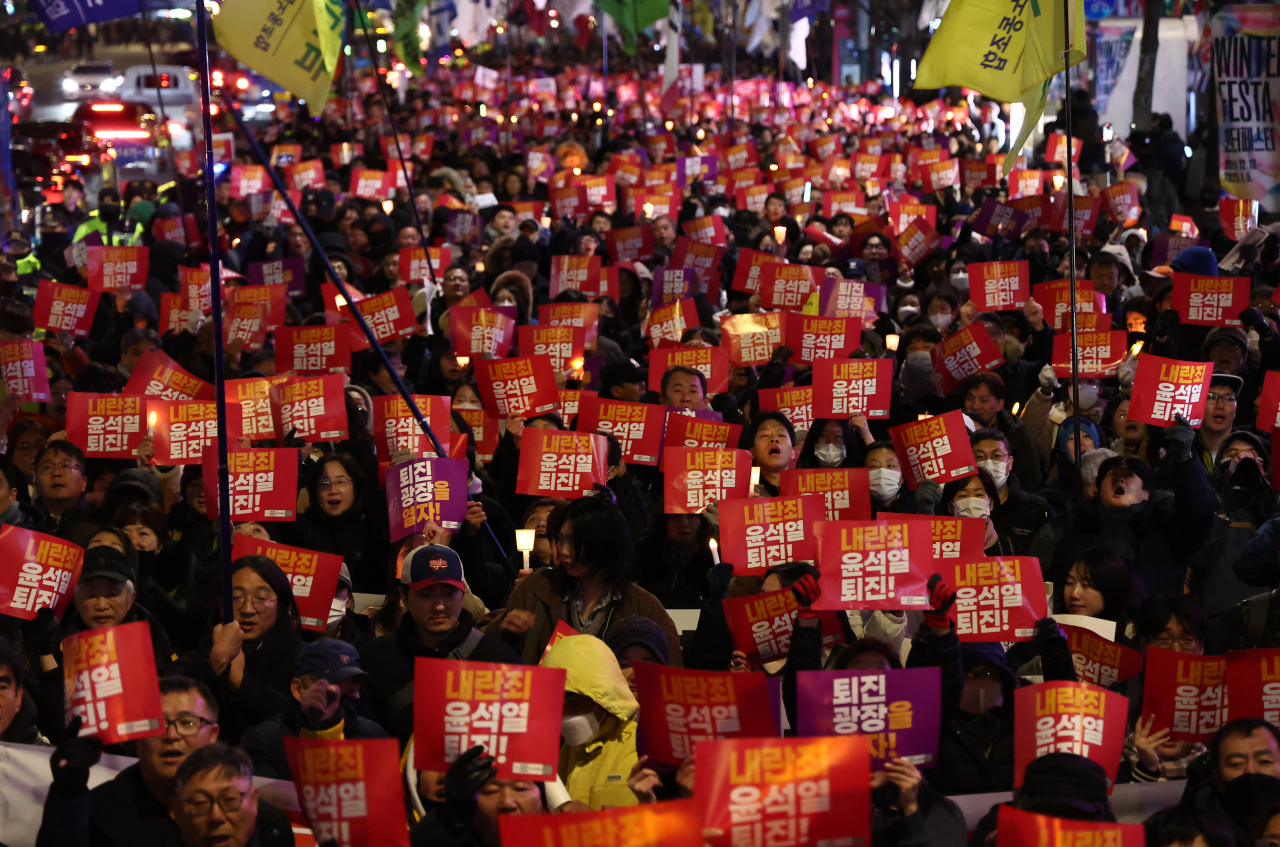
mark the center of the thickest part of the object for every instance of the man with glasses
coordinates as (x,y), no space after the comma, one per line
(215,803)
(1019,514)
(454,285)
(1219,417)
(133,808)
(60,484)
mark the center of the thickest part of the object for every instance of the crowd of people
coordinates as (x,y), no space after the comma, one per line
(1162,531)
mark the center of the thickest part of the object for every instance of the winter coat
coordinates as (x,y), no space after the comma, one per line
(1021,516)
(265,742)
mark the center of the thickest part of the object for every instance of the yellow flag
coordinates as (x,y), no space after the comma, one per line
(977,45)
(283,47)
(330,23)
(1043,57)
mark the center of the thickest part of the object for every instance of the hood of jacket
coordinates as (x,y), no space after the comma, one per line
(591,669)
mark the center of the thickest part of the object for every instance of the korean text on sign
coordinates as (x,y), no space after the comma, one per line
(990,602)
(1068,717)
(865,564)
(1185,692)
(252,476)
(760,532)
(38,572)
(109,682)
(313,576)
(762,624)
(680,708)
(898,710)
(1164,388)
(113,424)
(342,786)
(936,448)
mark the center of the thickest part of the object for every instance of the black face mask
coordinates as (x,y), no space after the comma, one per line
(109,214)
(1038,259)
(1243,796)
(52,245)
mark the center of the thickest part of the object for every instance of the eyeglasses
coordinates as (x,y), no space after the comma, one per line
(340,482)
(455,278)
(188,725)
(995,457)
(260,603)
(1228,399)
(983,673)
(1186,642)
(202,806)
(47,468)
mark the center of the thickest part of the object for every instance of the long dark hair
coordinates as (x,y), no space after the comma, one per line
(348,464)
(601,539)
(1108,574)
(853,445)
(277,579)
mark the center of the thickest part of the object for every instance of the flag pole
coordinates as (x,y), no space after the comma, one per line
(215,291)
(374,344)
(1071,235)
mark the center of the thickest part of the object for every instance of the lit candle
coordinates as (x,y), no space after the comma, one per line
(1136,349)
(780,235)
(755,476)
(388,205)
(546,222)
(648,210)
(891,342)
(479,267)
(463,361)
(715,550)
(524,543)
(151,424)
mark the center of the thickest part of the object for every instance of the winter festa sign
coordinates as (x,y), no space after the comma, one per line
(1210,300)
(847,490)
(554,463)
(873,564)
(673,823)
(1068,717)
(1185,692)
(759,532)
(313,575)
(790,788)
(39,572)
(513,711)
(109,682)
(1243,41)
(637,426)
(423,491)
(344,785)
(522,387)
(1099,353)
(998,599)
(696,477)
(680,707)
(935,448)
(761,625)
(263,483)
(109,426)
(900,711)
(1163,388)
(846,387)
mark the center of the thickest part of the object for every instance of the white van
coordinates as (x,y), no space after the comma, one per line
(177,86)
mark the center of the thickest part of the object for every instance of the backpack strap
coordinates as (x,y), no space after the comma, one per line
(464,650)
(1256,609)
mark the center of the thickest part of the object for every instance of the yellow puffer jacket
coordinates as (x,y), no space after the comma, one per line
(596,773)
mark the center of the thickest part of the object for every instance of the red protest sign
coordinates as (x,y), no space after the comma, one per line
(964,353)
(582,316)
(65,308)
(479,332)
(1100,353)
(1087,212)
(343,786)
(846,387)
(418,263)
(994,286)
(668,323)
(304,175)
(575,273)
(935,448)
(703,260)
(1185,692)
(389,314)
(787,287)
(38,571)
(953,538)
(1253,681)
(1026,829)
(561,464)
(918,240)
(637,426)
(742,784)
(868,564)
(247,180)
(761,625)
(1163,388)
(248,401)
(312,350)
(708,230)
(569,201)
(696,477)
(630,244)
(247,323)
(25,376)
(998,599)
(847,491)
(1122,203)
(110,681)
(1055,299)
(751,338)
(182,429)
(513,711)
(263,483)
(372,185)
(107,426)
(690,431)
(672,823)
(426,491)
(524,387)
(1056,149)
(712,362)
(795,403)
(935,176)
(312,575)
(1100,661)
(559,345)
(901,214)
(750,269)
(1238,216)
(117,268)
(1068,717)
(680,708)
(313,405)
(395,428)
(271,298)
(763,531)
(815,338)
(977,174)
(195,284)
(1210,300)
(485,430)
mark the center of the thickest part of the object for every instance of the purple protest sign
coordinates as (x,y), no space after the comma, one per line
(671,285)
(848,298)
(290,271)
(425,490)
(690,169)
(1167,245)
(901,711)
(464,227)
(993,215)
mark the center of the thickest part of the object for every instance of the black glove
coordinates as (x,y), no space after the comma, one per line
(1166,321)
(1253,319)
(928,496)
(467,773)
(72,759)
(1178,439)
(726,404)
(806,590)
(41,632)
(291,438)
(781,355)
(1051,642)
(1047,628)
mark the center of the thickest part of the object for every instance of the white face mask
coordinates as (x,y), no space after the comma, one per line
(829,455)
(942,320)
(1088,396)
(920,362)
(577,730)
(885,482)
(999,471)
(960,281)
(905,312)
(468,405)
(337,610)
(972,507)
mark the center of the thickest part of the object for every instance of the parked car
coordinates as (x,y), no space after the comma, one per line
(174,86)
(21,94)
(90,79)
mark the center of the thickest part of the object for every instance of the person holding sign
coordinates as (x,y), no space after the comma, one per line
(474,799)
(216,802)
(772,441)
(889,490)
(1017,514)
(973,497)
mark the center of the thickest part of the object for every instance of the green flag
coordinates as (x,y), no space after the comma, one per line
(407,15)
(632,16)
